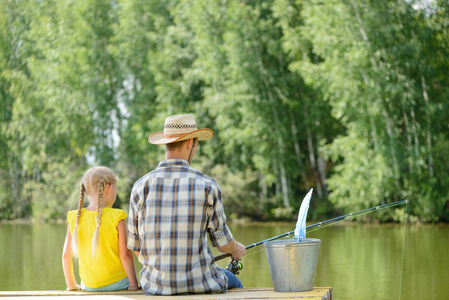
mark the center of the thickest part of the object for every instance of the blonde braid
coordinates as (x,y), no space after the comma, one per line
(96,237)
(78,215)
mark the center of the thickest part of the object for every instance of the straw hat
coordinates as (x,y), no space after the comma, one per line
(178,128)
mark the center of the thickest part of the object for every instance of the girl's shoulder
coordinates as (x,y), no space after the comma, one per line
(71,214)
(114,210)
(116,213)
(71,218)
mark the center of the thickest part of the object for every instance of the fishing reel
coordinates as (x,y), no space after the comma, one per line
(234,266)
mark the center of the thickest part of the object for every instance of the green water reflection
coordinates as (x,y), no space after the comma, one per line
(357,261)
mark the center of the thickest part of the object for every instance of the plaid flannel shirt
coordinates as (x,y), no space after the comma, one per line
(172,211)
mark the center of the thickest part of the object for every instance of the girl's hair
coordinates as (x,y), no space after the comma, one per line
(94,180)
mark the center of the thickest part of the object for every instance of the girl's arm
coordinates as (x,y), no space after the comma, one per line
(126,256)
(67,264)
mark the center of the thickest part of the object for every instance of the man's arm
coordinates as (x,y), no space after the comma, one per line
(133,242)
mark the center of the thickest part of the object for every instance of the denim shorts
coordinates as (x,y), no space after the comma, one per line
(116,286)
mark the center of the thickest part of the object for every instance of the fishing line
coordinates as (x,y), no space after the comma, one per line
(253,252)
(322,224)
(403,249)
(319,226)
(261,249)
(333,221)
(342,220)
(346,217)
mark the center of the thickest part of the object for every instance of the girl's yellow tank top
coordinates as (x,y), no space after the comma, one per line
(105,267)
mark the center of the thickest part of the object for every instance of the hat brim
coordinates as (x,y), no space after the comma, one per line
(203,134)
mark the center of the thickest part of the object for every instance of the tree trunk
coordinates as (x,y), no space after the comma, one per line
(312,159)
(323,173)
(285,189)
(396,169)
(426,108)
(411,165)
(16,185)
(278,132)
(428,134)
(298,152)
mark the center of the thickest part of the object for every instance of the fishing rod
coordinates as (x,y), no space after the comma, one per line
(319,225)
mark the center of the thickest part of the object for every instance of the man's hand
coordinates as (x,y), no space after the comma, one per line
(236,249)
(239,251)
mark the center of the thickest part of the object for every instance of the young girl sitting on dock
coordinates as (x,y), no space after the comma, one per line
(97,235)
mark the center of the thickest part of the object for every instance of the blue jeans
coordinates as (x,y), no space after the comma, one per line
(116,286)
(233,281)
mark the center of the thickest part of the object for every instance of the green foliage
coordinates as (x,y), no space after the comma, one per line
(240,192)
(362,178)
(56,192)
(6,203)
(373,70)
(347,97)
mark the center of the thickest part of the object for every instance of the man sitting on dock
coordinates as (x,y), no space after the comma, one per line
(173,211)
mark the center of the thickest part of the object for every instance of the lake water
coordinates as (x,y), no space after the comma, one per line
(357,261)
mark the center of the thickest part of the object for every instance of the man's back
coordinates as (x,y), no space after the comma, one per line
(173,209)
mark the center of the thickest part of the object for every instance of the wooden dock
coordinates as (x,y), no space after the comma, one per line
(323,293)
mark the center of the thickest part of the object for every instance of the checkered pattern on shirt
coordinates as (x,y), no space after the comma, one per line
(173,210)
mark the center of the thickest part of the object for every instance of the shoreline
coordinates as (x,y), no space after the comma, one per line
(245,222)
(29,221)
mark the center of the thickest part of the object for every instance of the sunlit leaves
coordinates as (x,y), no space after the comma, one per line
(300,94)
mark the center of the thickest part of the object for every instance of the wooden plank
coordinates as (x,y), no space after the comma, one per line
(323,293)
